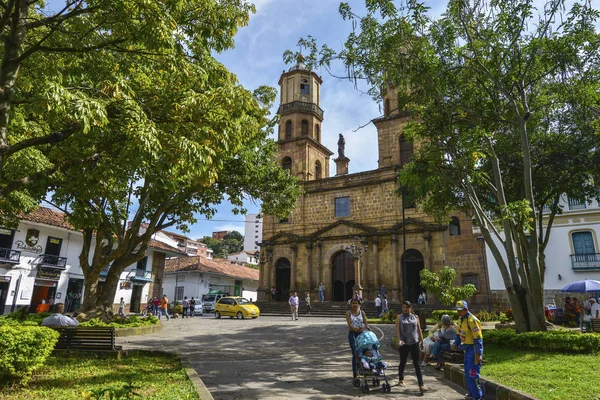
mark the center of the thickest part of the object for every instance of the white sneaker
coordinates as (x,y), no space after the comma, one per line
(423,364)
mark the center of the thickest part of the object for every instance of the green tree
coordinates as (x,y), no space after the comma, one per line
(66,70)
(178,133)
(505,101)
(441,284)
(233,242)
(214,245)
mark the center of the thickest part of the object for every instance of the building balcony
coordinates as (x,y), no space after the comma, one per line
(8,256)
(51,261)
(141,275)
(575,204)
(585,262)
(300,106)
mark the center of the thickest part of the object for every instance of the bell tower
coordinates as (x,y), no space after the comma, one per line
(299,138)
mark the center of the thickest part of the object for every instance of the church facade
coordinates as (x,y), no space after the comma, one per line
(352,229)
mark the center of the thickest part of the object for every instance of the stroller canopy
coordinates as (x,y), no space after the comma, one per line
(367,340)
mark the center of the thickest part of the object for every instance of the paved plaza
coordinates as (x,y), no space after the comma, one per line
(276,358)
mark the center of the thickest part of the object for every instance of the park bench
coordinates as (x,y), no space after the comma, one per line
(595,322)
(453,356)
(86,338)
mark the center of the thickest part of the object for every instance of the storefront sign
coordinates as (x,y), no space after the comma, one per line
(22,246)
(5,279)
(32,238)
(48,273)
(44,282)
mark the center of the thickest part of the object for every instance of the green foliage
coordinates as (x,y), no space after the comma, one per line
(565,341)
(23,317)
(441,284)
(389,316)
(485,316)
(231,243)
(126,392)
(121,322)
(437,314)
(78,375)
(24,349)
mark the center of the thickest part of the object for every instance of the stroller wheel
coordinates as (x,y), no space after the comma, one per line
(356,382)
(365,388)
(388,387)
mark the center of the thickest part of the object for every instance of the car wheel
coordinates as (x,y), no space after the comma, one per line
(217,314)
(254,317)
(239,315)
(200,314)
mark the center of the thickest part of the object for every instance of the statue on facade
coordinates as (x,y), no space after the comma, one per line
(341,146)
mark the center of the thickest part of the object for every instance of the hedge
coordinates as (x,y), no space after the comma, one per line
(561,340)
(24,349)
(437,314)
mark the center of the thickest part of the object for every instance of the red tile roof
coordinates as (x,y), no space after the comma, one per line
(47,216)
(219,266)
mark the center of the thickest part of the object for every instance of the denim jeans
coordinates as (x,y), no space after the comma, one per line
(352,341)
(438,347)
(164,311)
(322,296)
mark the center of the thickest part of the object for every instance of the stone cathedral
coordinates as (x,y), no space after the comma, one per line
(314,244)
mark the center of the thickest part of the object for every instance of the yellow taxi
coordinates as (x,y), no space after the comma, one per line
(233,306)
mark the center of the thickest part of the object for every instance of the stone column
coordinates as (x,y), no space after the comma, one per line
(293,267)
(428,265)
(365,267)
(320,271)
(376,262)
(309,266)
(341,166)
(396,267)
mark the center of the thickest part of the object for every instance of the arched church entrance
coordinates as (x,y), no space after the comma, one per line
(282,279)
(412,264)
(342,276)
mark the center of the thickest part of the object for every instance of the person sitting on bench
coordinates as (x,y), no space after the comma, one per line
(58,319)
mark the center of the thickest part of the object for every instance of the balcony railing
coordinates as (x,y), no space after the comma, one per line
(575,204)
(10,256)
(49,260)
(142,275)
(300,106)
(585,262)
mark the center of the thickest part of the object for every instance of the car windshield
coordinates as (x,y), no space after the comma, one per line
(209,298)
(242,301)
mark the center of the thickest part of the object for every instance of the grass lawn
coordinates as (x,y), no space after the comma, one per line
(547,376)
(159,377)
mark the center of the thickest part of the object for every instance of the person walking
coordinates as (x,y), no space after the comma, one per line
(470,340)
(273,292)
(164,305)
(156,305)
(192,307)
(307,300)
(384,306)
(122,307)
(422,298)
(383,291)
(378,305)
(294,302)
(185,305)
(410,340)
(321,292)
(357,323)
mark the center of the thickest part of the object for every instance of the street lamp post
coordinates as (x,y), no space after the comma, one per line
(357,249)
(481,241)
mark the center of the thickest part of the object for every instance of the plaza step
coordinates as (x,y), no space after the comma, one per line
(333,309)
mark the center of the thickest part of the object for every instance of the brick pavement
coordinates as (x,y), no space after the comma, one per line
(276,358)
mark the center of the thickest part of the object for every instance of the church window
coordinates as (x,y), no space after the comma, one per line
(386,107)
(317,133)
(406,150)
(318,170)
(304,127)
(288,130)
(287,164)
(342,206)
(472,279)
(304,88)
(454,226)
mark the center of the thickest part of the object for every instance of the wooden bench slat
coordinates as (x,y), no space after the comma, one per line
(86,338)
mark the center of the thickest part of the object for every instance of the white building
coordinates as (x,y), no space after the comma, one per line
(253,232)
(39,264)
(244,257)
(196,276)
(572,253)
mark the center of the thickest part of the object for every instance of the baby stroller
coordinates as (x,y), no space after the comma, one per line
(367,354)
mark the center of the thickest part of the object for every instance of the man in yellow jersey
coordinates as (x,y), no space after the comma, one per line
(470,340)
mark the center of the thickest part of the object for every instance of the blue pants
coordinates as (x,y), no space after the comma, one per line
(438,347)
(351,340)
(322,296)
(472,372)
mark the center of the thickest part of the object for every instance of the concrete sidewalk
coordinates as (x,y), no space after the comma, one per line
(276,358)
